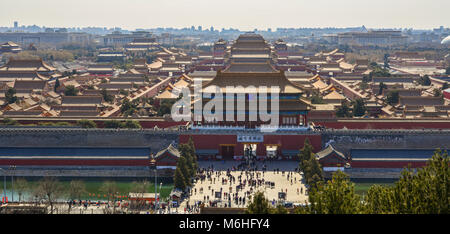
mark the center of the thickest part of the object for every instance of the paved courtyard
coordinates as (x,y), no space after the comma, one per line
(277,177)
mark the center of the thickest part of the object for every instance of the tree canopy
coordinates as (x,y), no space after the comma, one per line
(258,205)
(359,108)
(425,80)
(425,191)
(310,166)
(85,123)
(10,96)
(392,97)
(343,111)
(70,90)
(337,196)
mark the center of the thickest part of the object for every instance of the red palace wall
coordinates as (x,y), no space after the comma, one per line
(447,94)
(385,124)
(100,123)
(68,162)
(285,142)
(386,164)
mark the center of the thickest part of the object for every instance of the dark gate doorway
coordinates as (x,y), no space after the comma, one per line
(227,152)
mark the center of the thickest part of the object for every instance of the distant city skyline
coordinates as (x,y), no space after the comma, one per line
(243,15)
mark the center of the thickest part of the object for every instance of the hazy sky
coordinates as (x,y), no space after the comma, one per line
(242,14)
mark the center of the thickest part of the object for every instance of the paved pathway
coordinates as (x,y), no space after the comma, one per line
(293,187)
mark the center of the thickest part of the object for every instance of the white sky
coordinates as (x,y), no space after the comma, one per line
(242,14)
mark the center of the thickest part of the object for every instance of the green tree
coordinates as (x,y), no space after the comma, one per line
(363,85)
(84,123)
(343,111)
(113,124)
(386,61)
(165,107)
(382,86)
(191,145)
(9,122)
(123,92)
(392,97)
(437,93)
(10,96)
(379,200)
(128,108)
(258,205)
(366,79)
(182,164)
(316,99)
(379,72)
(424,192)
(186,154)
(57,84)
(359,108)
(312,171)
(425,80)
(447,70)
(70,90)
(337,196)
(445,86)
(107,97)
(132,124)
(179,180)
(280,209)
(306,153)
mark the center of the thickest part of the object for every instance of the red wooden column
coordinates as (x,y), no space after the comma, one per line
(260,149)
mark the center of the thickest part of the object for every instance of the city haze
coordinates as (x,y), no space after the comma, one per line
(243,15)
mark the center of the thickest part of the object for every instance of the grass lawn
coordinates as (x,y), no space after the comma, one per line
(362,188)
(93,188)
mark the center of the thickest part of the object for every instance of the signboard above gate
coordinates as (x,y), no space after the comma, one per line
(250,138)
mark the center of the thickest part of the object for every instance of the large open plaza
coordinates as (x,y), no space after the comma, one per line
(223,184)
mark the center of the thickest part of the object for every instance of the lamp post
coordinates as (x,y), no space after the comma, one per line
(160,185)
(12,168)
(153,166)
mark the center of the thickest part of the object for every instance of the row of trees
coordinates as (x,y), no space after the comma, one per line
(122,124)
(84,123)
(187,166)
(49,190)
(424,192)
(358,108)
(129,108)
